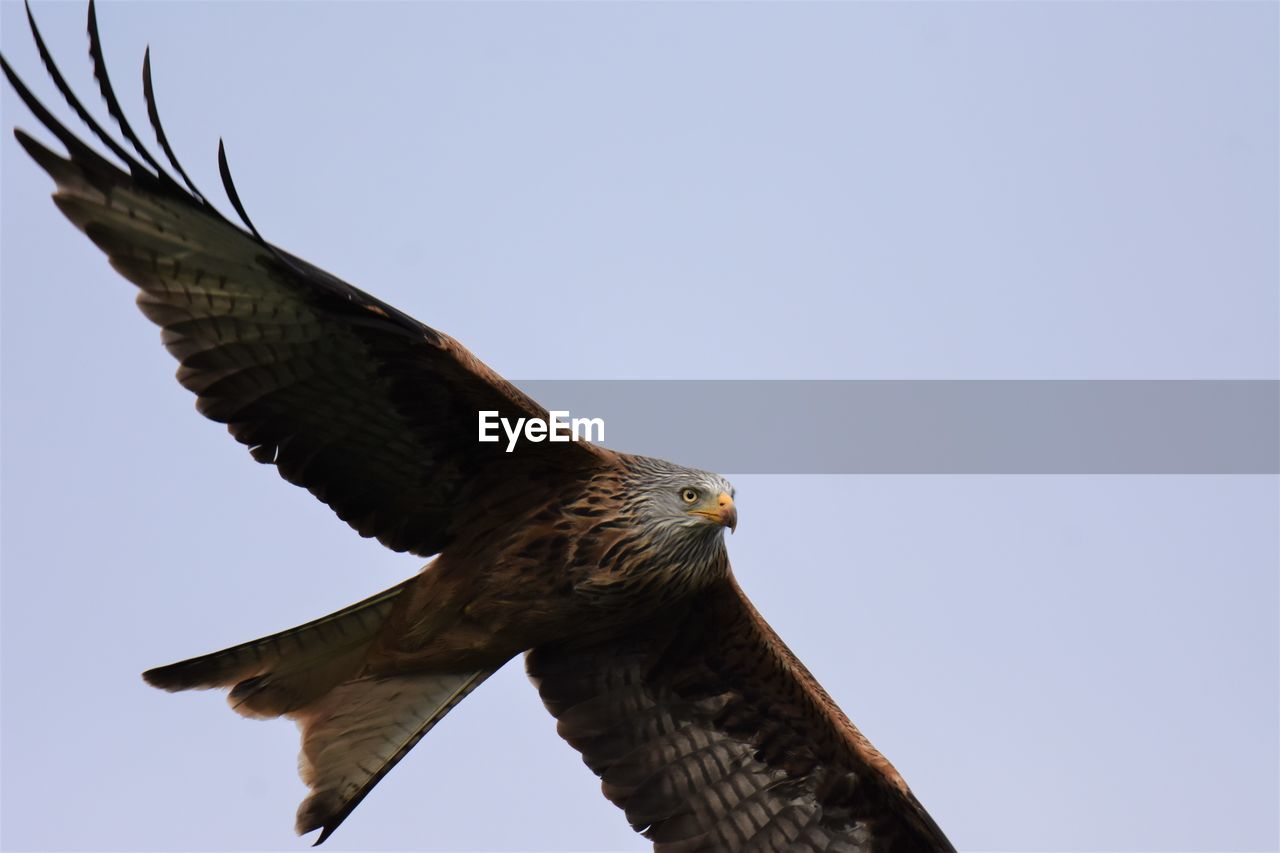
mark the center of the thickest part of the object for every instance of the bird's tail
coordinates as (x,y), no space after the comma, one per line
(355,726)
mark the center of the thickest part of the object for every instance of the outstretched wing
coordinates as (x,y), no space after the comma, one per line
(370,410)
(712,736)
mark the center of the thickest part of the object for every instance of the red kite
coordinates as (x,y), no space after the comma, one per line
(607,571)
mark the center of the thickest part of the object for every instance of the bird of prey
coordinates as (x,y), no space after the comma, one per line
(608,571)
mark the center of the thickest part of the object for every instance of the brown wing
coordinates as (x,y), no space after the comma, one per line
(373,412)
(711,735)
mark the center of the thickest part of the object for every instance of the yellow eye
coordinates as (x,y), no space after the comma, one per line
(689,495)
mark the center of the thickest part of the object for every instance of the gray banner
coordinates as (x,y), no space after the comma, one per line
(932,427)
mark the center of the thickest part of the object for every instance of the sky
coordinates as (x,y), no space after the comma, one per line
(673,191)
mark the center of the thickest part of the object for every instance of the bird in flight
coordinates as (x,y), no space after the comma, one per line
(607,571)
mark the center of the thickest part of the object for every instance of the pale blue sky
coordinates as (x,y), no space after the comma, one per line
(972,190)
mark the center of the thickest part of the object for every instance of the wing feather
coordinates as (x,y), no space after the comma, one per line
(368,409)
(712,736)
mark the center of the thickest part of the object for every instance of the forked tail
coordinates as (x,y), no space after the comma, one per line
(355,726)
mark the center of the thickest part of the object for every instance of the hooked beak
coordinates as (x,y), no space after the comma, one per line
(725,513)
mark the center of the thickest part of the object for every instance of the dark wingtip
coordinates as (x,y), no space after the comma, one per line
(9,73)
(26,140)
(93,164)
(63,171)
(153,115)
(113,103)
(229,185)
(138,171)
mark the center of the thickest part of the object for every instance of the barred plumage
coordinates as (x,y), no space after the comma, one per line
(608,570)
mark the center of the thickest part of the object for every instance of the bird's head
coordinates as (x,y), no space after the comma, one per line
(710,499)
(685,500)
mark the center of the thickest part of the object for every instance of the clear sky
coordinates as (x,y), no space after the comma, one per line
(768,190)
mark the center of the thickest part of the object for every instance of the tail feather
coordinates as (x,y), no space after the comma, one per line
(288,691)
(356,724)
(249,668)
(353,738)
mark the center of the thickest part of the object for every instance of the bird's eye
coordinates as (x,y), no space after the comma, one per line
(689,495)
